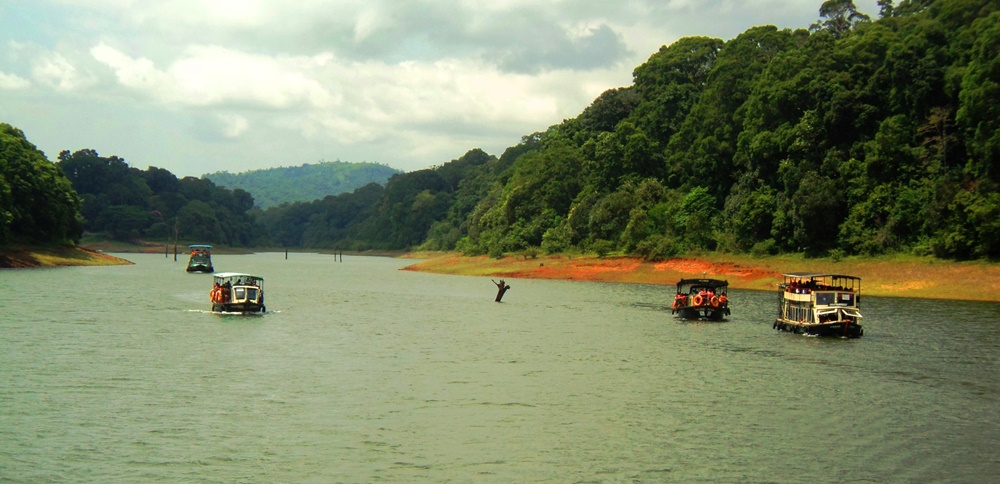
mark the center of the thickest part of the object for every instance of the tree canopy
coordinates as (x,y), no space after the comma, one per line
(37,203)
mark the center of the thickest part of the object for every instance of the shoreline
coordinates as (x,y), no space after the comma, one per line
(885,277)
(924,278)
(58,256)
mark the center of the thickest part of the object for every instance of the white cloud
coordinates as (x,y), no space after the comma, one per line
(233,125)
(216,76)
(13,82)
(54,70)
(133,73)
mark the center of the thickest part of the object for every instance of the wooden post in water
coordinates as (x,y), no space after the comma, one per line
(166,251)
(286,253)
(502,287)
(177,222)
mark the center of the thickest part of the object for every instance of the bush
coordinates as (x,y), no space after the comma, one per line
(467,247)
(658,247)
(764,247)
(557,239)
(602,247)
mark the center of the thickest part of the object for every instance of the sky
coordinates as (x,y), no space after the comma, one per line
(199,86)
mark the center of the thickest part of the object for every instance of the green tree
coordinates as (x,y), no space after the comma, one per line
(37,202)
(841,16)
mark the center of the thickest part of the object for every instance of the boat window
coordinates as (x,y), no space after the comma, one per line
(240,292)
(252,294)
(846,298)
(825,298)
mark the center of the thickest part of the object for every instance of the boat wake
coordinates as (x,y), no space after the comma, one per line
(229,313)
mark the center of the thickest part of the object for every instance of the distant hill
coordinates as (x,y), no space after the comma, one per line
(274,186)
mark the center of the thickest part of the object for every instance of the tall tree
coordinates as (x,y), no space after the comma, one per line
(840,17)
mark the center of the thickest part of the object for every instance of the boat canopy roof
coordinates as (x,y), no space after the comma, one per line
(236,275)
(199,246)
(814,275)
(713,283)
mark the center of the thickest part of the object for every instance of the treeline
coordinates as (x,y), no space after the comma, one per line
(128,203)
(856,136)
(272,187)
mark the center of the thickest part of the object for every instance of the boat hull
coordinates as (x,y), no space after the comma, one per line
(702,312)
(245,308)
(201,268)
(841,329)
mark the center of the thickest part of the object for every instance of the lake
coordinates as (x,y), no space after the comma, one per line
(361,372)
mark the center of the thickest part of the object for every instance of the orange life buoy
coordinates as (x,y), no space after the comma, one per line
(698,300)
(715,301)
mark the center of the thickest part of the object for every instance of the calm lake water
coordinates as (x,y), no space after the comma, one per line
(360,372)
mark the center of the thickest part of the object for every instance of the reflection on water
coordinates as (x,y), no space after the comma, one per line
(362,372)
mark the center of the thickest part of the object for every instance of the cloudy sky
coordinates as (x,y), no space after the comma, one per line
(197,86)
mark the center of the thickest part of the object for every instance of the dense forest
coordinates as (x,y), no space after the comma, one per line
(854,136)
(275,186)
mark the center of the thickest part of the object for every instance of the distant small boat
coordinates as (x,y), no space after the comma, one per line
(820,305)
(702,299)
(201,258)
(235,292)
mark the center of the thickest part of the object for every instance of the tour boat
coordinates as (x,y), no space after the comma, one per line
(201,258)
(820,305)
(701,299)
(235,292)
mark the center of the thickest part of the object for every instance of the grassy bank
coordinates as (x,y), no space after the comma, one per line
(58,256)
(889,276)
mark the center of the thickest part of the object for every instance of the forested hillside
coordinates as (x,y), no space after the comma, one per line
(274,186)
(856,136)
(867,133)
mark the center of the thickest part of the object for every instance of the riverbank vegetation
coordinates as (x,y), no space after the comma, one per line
(856,137)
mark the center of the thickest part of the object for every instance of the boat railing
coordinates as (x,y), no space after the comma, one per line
(797,296)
